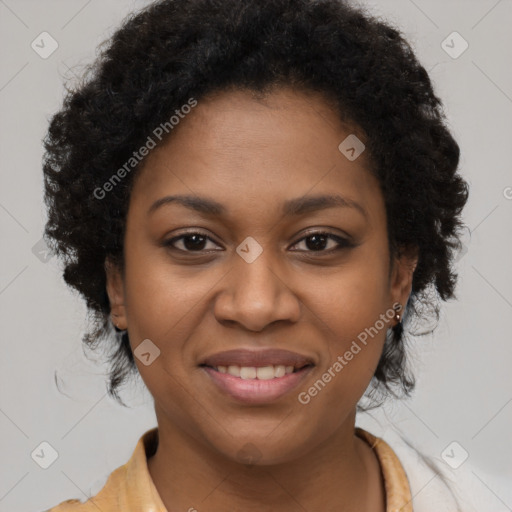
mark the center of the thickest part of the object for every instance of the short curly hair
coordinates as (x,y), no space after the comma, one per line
(173,50)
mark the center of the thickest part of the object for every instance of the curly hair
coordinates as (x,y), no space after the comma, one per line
(173,50)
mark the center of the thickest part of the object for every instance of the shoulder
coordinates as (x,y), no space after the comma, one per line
(70,506)
(105,500)
(433,485)
(128,488)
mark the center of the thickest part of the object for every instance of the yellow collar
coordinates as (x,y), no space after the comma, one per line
(130,488)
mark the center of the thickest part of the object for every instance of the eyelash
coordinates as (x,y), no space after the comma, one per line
(343,243)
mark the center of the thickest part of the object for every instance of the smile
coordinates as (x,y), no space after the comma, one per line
(252,372)
(256,385)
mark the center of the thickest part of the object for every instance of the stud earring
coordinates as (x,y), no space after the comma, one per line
(113,317)
(398,317)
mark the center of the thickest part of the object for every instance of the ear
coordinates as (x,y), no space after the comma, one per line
(115,292)
(404,265)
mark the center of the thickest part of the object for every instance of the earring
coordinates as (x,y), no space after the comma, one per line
(397,314)
(113,316)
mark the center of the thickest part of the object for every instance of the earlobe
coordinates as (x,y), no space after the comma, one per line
(401,287)
(115,292)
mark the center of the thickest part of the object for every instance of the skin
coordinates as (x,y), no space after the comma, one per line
(251,156)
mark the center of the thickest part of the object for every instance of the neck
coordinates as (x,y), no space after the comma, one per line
(342,474)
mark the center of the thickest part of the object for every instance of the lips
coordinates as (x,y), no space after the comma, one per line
(256,376)
(257,358)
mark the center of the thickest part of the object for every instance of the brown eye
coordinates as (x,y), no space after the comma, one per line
(190,242)
(319,242)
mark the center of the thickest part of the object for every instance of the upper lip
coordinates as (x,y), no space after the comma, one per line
(258,358)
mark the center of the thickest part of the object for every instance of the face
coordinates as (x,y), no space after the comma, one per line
(257,260)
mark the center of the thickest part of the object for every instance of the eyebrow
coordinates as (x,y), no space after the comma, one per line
(292,207)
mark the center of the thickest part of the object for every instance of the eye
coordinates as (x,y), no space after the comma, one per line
(320,241)
(190,242)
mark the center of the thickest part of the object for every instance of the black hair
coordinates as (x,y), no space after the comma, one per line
(175,50)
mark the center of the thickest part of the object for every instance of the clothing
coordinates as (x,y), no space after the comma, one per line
(129,488)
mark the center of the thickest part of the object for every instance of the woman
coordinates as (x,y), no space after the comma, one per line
(254,199)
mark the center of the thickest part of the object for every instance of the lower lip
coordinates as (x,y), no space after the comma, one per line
(255,391)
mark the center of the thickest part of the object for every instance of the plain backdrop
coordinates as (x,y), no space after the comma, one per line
(464,390)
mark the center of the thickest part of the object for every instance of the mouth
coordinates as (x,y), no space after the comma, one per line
(267,372)
(252,376)
(256,385)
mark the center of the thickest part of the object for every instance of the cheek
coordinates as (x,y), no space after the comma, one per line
(160,296)
(166,304)
(352,309)
(353,298)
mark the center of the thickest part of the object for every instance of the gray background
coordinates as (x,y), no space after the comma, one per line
(464,390)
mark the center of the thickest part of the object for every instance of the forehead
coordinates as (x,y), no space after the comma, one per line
(237,121)
(241,148)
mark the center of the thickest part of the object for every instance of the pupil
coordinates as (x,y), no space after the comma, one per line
(197,242)
(313,242)
(318,242)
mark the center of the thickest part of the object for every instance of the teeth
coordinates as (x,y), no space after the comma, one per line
(260,373)
(247,372)
(234,370)
(279,371)
(265,372)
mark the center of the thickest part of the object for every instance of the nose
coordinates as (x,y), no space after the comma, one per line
(255,295)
